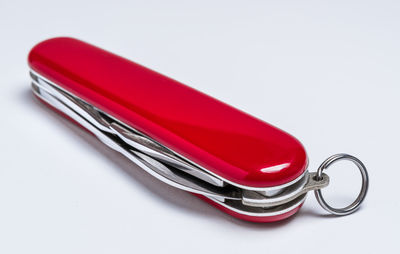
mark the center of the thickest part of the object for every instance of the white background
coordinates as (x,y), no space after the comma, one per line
(328,73)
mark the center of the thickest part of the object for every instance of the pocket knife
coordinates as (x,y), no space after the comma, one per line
(185,138)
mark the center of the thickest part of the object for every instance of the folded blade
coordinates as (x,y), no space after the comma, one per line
(79,112)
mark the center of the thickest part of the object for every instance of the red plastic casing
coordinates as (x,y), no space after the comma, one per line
(228,142)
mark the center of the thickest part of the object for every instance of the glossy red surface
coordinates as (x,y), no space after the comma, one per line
(226,141)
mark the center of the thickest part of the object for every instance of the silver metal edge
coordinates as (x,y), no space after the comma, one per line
(266,212)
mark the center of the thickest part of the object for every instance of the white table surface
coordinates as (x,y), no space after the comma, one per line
(328,73)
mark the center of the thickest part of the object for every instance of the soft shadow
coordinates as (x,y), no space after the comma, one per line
(307,212)
(170,196)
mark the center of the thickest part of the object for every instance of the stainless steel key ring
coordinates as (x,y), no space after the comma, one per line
(364,187)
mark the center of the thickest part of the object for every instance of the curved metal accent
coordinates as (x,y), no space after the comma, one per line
(240,208)
(307,184)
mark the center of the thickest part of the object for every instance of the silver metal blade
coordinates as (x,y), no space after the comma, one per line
(75,110)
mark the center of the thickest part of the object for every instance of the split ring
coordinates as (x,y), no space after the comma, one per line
(364,187)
